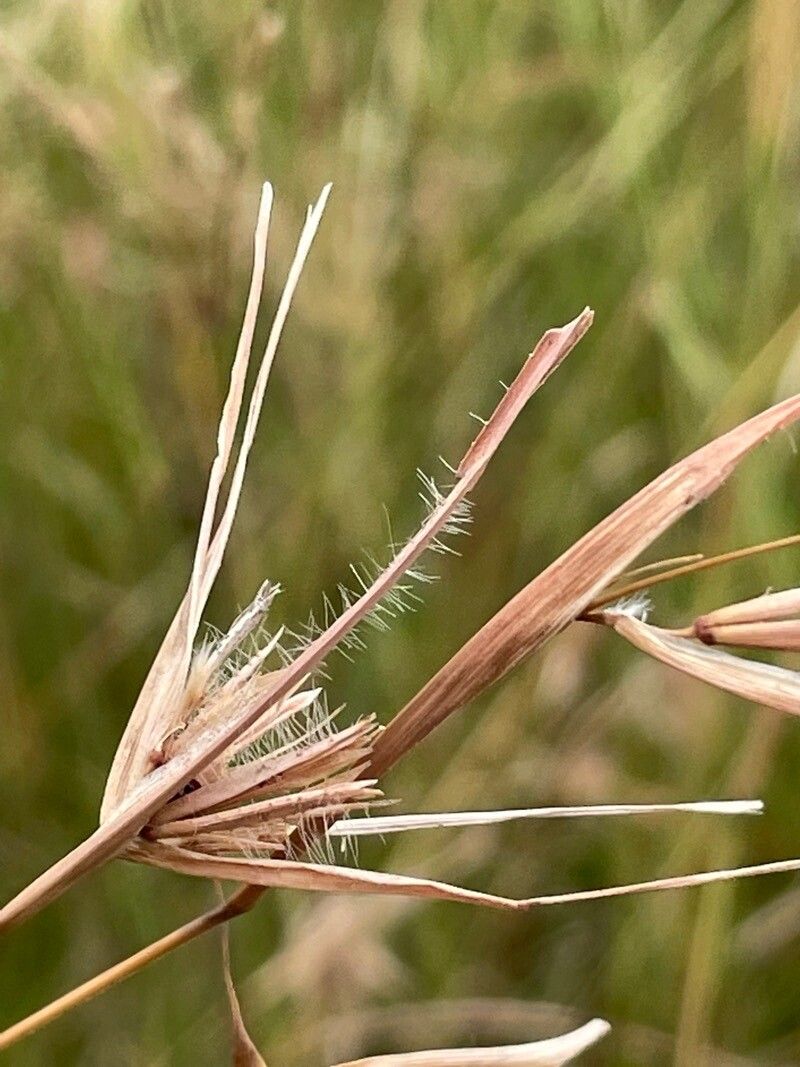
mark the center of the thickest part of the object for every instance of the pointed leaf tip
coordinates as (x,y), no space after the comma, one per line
(552,1052)
(551,350)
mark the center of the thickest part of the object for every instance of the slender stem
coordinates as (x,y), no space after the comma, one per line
(239,903)
(703,564)
(660,565)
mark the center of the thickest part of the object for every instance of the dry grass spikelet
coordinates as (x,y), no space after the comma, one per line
(232,766)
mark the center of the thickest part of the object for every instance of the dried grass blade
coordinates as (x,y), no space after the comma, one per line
(163,688)
(143,731)
(148,720)
(546,357)
(561,592)
(552,1052)
(231,409)
(290,874)
(761,683)
(168,671)
(311,877)
(216,551)
(392,824)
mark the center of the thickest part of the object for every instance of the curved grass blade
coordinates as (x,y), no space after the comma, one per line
(552,1052)
(762,683)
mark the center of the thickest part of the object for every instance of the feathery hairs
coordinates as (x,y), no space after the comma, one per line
(399,599)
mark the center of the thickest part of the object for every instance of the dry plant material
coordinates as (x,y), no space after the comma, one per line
(233,767)
(670,569)
(568,586)
(393,824)
(764,622)
(552,1052)
(762,683)
(214,729)
(245,1053)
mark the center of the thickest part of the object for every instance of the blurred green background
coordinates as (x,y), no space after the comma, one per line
(496,168)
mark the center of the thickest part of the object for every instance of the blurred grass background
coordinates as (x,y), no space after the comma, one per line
(496,167)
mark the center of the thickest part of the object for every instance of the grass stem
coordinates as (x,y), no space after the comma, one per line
(702,564)
(239,903)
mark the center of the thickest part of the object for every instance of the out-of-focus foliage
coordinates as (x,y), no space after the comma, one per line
(496,167)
